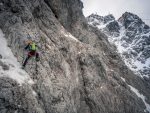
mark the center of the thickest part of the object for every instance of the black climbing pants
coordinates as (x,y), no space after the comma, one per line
(31,54)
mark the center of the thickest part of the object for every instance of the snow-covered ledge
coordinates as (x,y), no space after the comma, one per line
(14,71)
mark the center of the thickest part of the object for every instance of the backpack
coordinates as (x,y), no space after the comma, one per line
(33,46)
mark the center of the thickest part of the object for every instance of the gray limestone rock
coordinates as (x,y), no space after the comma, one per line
(1,56)
(15,98)
(4,66)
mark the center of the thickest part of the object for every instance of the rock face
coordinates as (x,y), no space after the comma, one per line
(17,99)
(80,74)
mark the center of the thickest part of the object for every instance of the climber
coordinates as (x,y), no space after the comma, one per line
(31,47)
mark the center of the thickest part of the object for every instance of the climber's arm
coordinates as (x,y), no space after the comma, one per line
(26,47)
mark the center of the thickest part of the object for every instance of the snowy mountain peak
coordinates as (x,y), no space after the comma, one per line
(129,17)
(132,38)
(131,21)
(109,18)
(100,21)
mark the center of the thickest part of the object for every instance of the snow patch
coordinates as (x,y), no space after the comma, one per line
(140,96)
(68,35)
(123,79)
(34,93)
(9,59)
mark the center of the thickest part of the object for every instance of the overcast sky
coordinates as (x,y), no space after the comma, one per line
(118,7)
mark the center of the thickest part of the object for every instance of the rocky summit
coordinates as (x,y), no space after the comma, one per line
(79,70)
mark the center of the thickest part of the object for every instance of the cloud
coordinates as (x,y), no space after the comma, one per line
(118,7)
